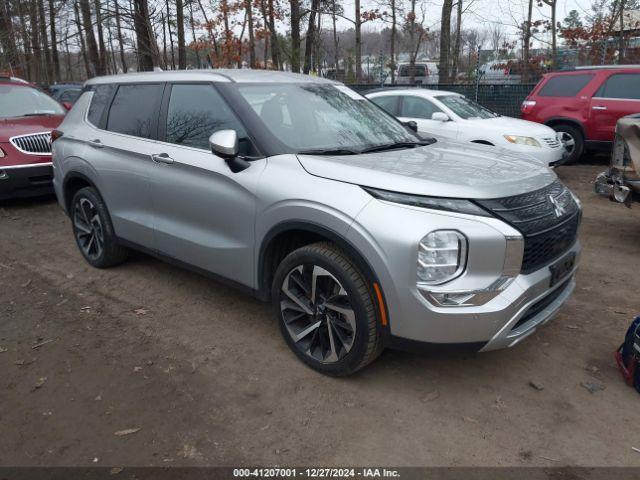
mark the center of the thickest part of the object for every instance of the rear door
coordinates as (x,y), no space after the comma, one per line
(121,152)
(204,214)
(618,96)
(420,110)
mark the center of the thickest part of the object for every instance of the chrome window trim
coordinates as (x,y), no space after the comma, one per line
(40,154)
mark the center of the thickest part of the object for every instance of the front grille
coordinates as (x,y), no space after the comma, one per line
(540,305)
(33,144)
(547,218)
(552,142)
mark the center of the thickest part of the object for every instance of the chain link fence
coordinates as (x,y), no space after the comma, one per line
(504,99)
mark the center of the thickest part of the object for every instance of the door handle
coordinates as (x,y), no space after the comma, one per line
(599,107)
(162,158)
(96,143)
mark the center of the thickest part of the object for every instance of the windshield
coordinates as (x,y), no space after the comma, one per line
(306,117)
(18,101)
(465,108)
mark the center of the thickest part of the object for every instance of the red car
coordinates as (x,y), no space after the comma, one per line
(584,104)
(27,117)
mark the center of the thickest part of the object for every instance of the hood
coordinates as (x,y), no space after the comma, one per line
(10,127)
(443,169)
(513,126)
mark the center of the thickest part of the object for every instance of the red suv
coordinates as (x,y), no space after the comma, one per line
(584,104)
(27,117)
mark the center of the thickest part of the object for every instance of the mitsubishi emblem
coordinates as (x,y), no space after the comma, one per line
(558,209)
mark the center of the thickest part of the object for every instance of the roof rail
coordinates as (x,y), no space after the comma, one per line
(604,67)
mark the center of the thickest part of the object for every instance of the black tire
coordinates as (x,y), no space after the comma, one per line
(361,347)
(574,135)
(89,217)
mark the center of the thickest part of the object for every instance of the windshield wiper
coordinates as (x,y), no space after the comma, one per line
(36,114)
(329,151)
(392,146)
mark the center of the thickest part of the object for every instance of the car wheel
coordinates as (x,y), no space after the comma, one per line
(573,141)
(326,310)
(93,230)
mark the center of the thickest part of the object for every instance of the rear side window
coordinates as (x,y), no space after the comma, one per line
(405,71)
(135,109)
(101,95)
(389,103)
(621,85)
(564,85)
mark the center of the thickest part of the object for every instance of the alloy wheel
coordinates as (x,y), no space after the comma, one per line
(568,141)
(317,313)
(88,228)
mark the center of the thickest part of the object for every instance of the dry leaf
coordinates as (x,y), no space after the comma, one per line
(128,431)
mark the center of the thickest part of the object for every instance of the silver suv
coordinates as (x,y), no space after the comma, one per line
(302,192)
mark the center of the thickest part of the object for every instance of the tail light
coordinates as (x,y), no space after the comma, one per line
(55,134)
(527,106)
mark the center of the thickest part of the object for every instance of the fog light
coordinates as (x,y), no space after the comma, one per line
(442,256)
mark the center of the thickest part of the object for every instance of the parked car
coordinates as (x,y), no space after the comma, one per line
(27,117)
(452,116)
(65,92)
(584,105)
(425,73)
(301,191)
(621,182)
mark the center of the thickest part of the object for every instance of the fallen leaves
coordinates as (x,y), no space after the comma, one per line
(128,431)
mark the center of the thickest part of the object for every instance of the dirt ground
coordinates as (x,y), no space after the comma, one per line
(199,374)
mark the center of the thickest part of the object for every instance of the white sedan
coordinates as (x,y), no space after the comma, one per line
(452,116)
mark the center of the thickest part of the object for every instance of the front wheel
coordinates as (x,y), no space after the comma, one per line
(326,310)
(573,141)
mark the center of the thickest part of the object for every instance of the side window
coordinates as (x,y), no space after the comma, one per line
(564,85)
(416,107)
(197,111)
(621,85)
(387,103)
(134,109)
(101,95)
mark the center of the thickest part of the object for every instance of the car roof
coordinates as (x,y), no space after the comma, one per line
(422,92)
(595,68)
(217,75)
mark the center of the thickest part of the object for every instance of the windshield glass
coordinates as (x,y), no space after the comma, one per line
(306,117)
(18,101)
(465,108)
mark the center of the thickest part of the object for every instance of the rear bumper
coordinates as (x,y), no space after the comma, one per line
(20,181)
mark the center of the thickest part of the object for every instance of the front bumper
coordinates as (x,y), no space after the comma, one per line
(20,181)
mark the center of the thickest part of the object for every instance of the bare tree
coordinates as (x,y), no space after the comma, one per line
(445,41)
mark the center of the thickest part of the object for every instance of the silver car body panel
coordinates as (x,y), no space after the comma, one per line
(196,210)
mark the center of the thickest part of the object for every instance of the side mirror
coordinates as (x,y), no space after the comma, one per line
(411,125)
(224,143)
(440,117)
(67,105)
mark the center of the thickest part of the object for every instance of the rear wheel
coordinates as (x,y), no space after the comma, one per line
(326,310)
(573,141)
(93,230)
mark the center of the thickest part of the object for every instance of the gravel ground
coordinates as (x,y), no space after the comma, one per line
(146,364)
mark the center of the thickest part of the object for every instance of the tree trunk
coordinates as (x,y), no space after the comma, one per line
(554,36)
(36,61)
(392,43)
(308,43)
(295,35)
(193,32)
(445,42)
(123,58)
(182,50)
(173,57)
(252,42)
(358,29)
(7,38)
(143,35)
(526,41)
(456,47)
(412,34)
(42,24)
(101,46)
(54,42)
(83,48)
(275,47)
(621,45)
(336,45)
(92,46)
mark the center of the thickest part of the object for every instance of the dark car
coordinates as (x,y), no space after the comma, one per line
(27,117)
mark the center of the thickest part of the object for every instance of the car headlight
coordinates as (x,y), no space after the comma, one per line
(442,256)
(518,140)
(1,153)
(456,205)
